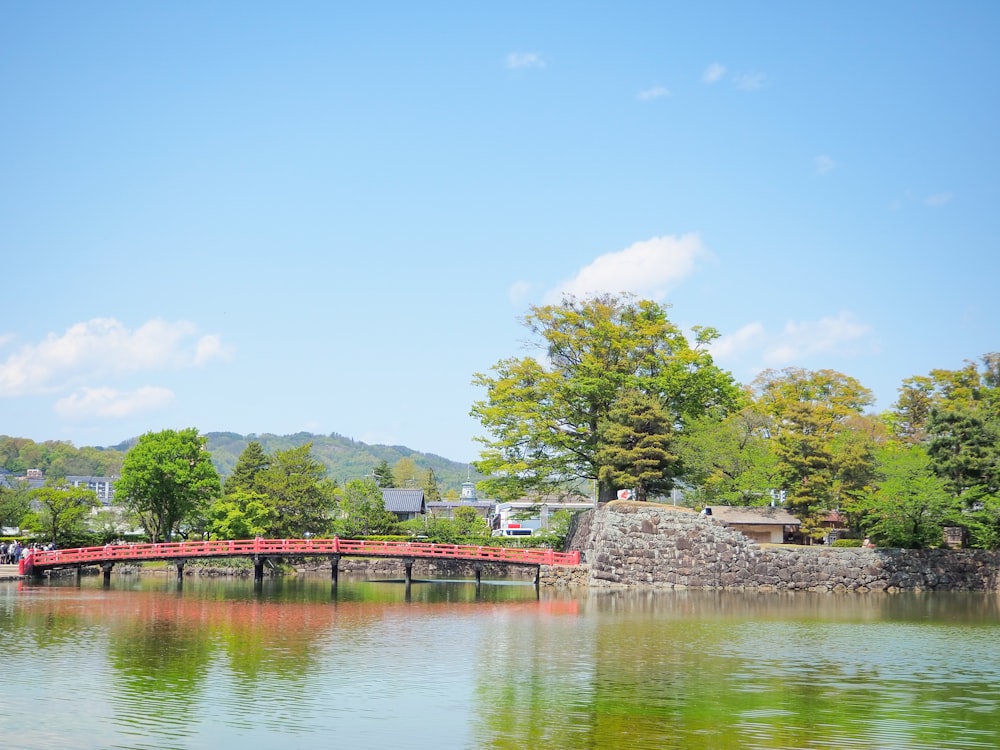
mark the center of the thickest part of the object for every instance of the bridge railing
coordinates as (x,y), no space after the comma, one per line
(298,547)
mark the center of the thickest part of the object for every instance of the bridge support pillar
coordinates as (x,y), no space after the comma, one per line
(180,569)
(408,567)
(258,569)
(478,568)
(334,568)
(106,568)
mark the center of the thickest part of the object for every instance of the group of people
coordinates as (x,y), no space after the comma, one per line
(14,551)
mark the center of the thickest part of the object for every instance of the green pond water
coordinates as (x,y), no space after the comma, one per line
(147,663)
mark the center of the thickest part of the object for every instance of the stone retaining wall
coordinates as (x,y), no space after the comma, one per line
(639,544)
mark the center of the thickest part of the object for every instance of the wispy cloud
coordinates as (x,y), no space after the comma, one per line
(714,73)
(516,60)
(938,199)
(797,341)
(653,92)
(824,164)
(747,338)
(648,269)
(109,402)
(104,347)
(519,292)
(749,81)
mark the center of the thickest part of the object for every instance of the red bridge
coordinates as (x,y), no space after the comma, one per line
(260,550)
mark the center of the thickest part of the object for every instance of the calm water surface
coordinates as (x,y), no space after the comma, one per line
(146,664)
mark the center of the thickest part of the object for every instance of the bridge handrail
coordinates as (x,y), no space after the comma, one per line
(292,547)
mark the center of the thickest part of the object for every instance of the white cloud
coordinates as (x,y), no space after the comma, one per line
(517,60)
(647,269)
(749,81)
(714,73)
(519,292)
(102,347)
(731,345)
(937,200)
(798,341)
(108,402)
(653,92)
(801,339)
(824,164)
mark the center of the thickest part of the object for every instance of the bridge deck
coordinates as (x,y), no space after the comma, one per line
(116,553)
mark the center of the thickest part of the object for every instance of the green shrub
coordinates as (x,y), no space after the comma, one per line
(846,543)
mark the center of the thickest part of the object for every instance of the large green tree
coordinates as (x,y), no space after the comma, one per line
(167,478)
(823,442)
(544,415)
(244,511)
(60,512)
(249,465)
(908,505)
(362,510)
(15,502)
(958,421)
(730,461)
(383,475)
(298,490)
(636,445)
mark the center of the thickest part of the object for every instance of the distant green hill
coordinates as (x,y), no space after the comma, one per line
(345,459)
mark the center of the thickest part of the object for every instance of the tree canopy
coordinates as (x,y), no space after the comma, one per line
(549,419)
(167,478)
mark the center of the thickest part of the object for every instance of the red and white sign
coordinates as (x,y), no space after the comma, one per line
(624,494)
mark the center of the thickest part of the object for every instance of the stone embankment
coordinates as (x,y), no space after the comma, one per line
(640,544)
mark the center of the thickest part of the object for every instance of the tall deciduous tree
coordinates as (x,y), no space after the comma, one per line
(166,478)
(61,511)
(405,472)
(824,448)
(908,505)
(14,505)
(362,510)
(730,461)
(543,415)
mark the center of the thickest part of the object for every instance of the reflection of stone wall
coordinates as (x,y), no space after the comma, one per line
(640,544)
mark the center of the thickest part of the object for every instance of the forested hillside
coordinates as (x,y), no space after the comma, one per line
(344,458)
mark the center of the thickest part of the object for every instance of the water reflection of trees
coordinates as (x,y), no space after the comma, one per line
(698,669)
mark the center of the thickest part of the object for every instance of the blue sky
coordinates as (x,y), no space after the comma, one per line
(264,217)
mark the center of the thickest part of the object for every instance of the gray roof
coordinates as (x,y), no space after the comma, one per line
(403,501)
(487,504)
(758,516)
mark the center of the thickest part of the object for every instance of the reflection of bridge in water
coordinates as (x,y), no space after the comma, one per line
(261,551)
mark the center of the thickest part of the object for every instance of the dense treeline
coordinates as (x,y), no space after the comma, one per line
(58,459)
(621,399)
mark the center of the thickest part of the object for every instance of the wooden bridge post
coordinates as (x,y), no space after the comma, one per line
(106,567)
(180,568)
(258,569)
(408,567)
(478,567)
(334,568)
